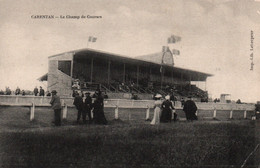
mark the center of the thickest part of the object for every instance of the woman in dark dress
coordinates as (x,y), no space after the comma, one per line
(167,108)
(98,110)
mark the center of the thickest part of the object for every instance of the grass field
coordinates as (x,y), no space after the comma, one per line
(124,142)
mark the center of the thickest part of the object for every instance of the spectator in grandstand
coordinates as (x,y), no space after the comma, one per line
(98,110)
(105,95)
(88,106)
(23,93)
(2,92)
(157,110)
(182,102)
(8,91)
(167,108)
(190,109)
(78,102)
(173,98)
(17,91)
(56,106)
(239,101)
(42,92)
(48,93)
(35,91)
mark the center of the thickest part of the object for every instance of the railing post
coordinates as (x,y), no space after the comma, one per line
(147,113)
(116,113)
(32,112)
(65,111)
(215,113)
(231,114)
(245,112)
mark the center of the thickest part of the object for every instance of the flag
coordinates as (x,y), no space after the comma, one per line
(171,40)
(165,49)
(175,52)
(176,38)
(92,39)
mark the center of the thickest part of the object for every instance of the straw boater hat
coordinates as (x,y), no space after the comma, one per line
(167,97)
(158,96)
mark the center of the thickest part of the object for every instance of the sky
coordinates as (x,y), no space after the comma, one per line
(216,37)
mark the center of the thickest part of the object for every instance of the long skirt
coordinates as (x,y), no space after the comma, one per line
(156,116)
(99,116)
(166,115)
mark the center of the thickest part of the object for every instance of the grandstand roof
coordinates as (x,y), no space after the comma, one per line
(81,53)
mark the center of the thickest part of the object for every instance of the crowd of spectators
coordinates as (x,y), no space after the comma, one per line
(18,91)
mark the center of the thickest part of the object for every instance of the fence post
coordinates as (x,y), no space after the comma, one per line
(245,112)
(147,113)
(214,113)
(32,112)
(231,114)
(65,111)
(116,113)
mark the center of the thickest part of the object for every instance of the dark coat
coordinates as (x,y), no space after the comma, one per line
(190,109)
(88,103)
(55,102)
(78,102)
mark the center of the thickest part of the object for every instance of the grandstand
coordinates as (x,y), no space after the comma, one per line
(120,76)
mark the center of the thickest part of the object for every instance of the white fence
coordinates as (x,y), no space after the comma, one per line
(34,101)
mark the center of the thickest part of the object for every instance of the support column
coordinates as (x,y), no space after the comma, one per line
(190,81)
(91,70)
(124,74)
(71,66)
(181,80)
(172,75)
(137,75)
(108,72)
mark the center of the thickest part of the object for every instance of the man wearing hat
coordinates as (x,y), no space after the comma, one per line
(78,102)
(88,106)
(190,109)
(56,106)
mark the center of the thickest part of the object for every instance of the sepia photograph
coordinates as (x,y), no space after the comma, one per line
(130,83)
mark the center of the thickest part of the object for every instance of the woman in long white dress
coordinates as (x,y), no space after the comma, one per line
(157,110)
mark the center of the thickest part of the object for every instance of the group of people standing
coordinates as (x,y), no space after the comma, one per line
(164,110)
(93,104)
(85,107)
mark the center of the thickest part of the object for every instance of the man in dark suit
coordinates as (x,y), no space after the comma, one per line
(78,102)
(190,109)
(35,91)
(41,91)
(56,106)
(88,106)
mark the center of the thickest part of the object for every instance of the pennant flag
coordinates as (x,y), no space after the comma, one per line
(175,52)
